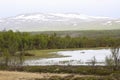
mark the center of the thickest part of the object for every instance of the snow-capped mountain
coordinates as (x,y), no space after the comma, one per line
(57,21)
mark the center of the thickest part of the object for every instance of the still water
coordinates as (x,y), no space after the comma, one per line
(75,57)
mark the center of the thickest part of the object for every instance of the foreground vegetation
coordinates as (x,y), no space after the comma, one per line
(72,77)
(65,73)
(14,75)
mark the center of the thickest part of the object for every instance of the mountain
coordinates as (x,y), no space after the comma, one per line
(58,21)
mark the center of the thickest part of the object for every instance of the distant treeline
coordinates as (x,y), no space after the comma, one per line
(83,33)
(18,41)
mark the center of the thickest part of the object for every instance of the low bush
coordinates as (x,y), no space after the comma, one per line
(28,54)
(79,78)
(85,70)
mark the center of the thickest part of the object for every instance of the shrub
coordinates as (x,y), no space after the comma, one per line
(28,54)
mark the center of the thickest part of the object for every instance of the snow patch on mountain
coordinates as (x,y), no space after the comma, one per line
(70,16)
(75,24)
(108,23)
(117,21)
(32,17)
(78,16)
(58,17)
(1,20)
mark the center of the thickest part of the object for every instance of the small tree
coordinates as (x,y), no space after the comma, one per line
(116,56)
(6,56)
(109,60)
(93,61)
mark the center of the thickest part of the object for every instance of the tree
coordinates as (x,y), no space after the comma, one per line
(116,55)
(109,61)
(93,61)
(6,56)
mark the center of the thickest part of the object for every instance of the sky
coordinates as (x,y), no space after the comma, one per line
(106,8)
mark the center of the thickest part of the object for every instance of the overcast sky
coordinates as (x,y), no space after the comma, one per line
(108,8)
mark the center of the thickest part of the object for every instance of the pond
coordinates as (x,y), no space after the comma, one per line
(75,57)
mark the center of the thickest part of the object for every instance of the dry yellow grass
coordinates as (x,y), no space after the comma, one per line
(14,75)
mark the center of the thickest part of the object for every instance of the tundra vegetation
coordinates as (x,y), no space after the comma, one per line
(15,46)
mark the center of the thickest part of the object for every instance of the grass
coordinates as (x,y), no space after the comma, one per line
(14,75)
(42,54)
(61,73)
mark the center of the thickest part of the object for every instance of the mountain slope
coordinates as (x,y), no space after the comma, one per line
(57,21)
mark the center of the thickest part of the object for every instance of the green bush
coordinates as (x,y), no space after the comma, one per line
(78,78)
(85,70)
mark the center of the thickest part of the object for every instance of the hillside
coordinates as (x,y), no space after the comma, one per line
(58,22)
